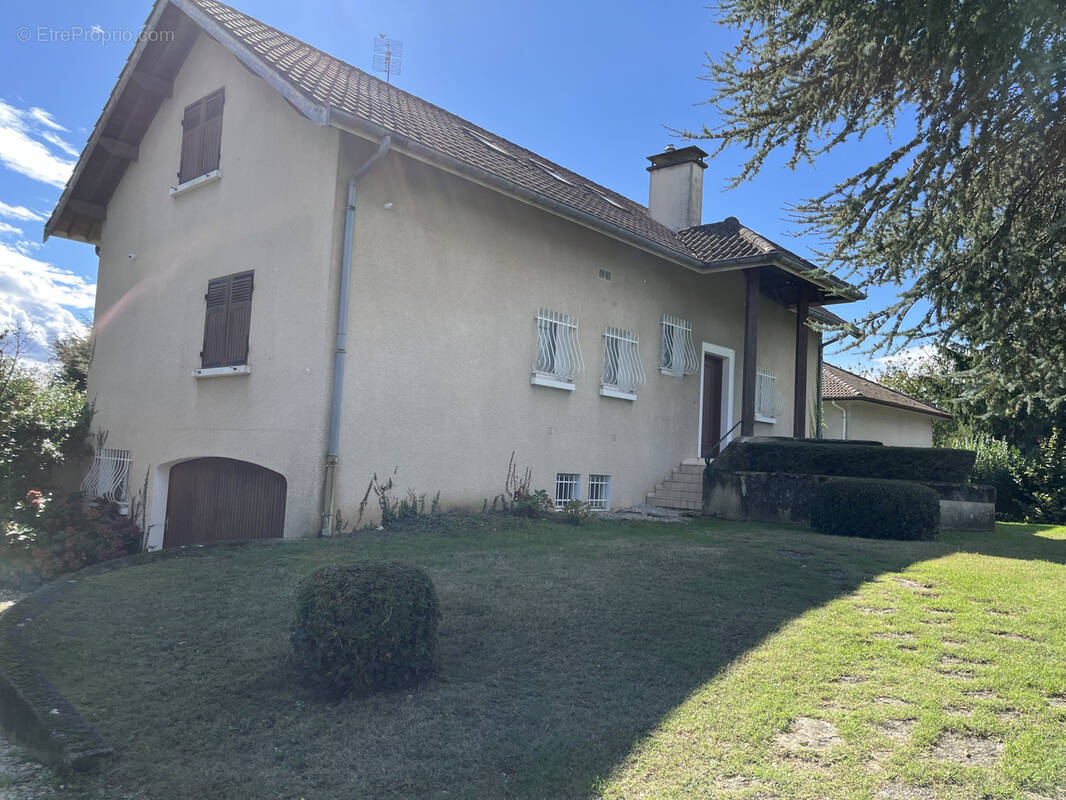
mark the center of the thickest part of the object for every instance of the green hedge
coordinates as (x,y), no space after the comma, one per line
(810,457)
(875,509)
(365,626)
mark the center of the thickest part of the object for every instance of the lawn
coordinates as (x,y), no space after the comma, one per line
(712,659)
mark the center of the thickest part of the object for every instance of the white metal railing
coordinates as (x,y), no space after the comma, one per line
(599,495)
(109,475)
(558,349)
(678,352)
(567,488)
(767,400)
(622,369)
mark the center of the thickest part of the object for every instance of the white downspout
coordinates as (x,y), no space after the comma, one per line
(332,455)
(844,416)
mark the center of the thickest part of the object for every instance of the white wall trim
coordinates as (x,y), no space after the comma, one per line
(729,359)
(200,180)
(218,372)
(539,379)
(610,391)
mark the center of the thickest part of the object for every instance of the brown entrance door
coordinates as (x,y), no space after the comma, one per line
(215,499)
(712,406)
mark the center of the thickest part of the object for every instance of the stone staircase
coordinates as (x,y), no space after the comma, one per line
(683,489)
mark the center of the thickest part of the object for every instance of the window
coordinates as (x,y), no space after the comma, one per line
(485,140)
(767,400)
(678,355)
(599,492)
(226,324)
(201,137)
(622,370)
(109,476)
(551,171)
(567,488)
(559,358)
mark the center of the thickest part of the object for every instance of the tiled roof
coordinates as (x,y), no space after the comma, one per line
(839,384)
(330,81)
(327,89)
(729,239)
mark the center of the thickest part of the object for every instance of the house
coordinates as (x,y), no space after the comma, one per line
(308,276)
(854,407)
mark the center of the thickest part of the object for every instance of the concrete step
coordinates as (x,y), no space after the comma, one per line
(681,487)
(690,469)
(666,501)
(686,477)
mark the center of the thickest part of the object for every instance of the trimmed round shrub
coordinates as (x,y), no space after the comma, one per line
(875,509)
(365,627)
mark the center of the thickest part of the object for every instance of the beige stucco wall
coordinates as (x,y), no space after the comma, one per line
(447,281)
(885,424)
(272,212)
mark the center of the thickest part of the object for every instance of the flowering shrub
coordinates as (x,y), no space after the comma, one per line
(50,538)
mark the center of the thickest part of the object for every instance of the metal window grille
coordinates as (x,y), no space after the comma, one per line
(678,355)
(567,488)
(109,475)
(558,350)
(622,369)
(767,399)
(599,495)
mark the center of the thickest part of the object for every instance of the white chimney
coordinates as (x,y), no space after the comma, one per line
(676,196)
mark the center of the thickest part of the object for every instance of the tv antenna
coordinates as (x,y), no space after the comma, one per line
(388,56)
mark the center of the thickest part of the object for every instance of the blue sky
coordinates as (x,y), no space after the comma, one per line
(594,86)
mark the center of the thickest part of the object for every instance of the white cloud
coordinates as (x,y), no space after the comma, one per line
(45,118)
(22,149)
(61,143)
(920,355)
(38,297)
(20,213)
(5,228)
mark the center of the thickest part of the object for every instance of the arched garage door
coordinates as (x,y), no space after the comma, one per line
(214,499)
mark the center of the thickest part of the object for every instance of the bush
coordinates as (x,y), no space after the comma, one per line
(366,626)
(49,539)
(997,464)
(875,509)
(808,457)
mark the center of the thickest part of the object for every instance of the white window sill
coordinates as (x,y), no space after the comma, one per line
(201,180)
(551,381)
(672,373)
(610,391)
(767,420)
(221,372)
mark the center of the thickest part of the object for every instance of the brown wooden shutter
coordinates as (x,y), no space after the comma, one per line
(191,140)
(217,297)
(201,136)
(211,143)
(238,319)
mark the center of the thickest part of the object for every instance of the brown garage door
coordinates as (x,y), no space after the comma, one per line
(214,499)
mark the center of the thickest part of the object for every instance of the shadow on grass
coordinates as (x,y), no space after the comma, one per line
(559,649)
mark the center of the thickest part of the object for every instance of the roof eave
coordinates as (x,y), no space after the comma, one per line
(930,412)
(123,79)
(358,126)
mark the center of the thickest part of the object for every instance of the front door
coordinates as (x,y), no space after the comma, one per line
(712,406)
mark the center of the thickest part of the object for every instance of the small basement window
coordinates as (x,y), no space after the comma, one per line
(567,488)
(599,494)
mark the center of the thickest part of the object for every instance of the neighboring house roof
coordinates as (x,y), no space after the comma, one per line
(331,92)
(839,384)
